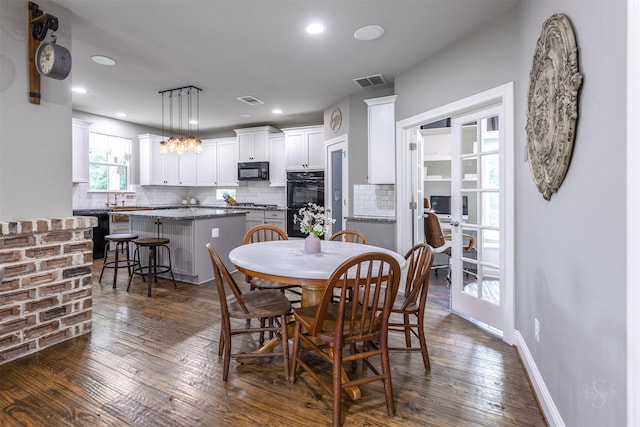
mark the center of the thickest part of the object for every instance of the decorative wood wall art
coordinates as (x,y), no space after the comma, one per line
(552,104)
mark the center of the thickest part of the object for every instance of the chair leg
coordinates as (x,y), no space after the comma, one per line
(423,342)
(294,352)
(227,355)
(106,251)
(336,374)
(284,340)
(386,372)
(407,330)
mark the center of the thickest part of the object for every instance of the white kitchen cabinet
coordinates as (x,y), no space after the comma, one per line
(277,162)
(262,216)
(228,162)
(304,148)
(212,165)
(382,146)
(254,217)
(253,143)
(80,150)
(277,218)
(164,169)
(207,164)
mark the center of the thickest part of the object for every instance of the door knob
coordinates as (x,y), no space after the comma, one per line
(454,223)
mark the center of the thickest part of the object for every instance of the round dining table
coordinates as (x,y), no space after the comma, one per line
(286,261)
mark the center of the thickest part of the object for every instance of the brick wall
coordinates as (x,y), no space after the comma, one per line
(45,296)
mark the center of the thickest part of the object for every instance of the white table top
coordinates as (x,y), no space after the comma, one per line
(287,258)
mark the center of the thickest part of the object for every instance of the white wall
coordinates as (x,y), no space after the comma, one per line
(570,264)
(35,140)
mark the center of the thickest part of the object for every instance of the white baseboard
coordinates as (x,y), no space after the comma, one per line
(549,409)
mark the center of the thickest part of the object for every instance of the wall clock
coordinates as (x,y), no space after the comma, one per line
(552,104)
(336,120)
(53,61)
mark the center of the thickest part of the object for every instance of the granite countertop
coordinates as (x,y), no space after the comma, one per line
(370,218)
(182,213)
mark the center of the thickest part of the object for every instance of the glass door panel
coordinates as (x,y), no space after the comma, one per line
(475,171)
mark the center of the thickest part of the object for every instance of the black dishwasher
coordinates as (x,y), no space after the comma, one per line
(98,232)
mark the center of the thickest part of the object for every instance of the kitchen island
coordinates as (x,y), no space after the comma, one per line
(189,229)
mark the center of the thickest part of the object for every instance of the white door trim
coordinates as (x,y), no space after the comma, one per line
(339,142)
(503,94)
(633,205)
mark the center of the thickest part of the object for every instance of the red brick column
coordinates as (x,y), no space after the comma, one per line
(45,297)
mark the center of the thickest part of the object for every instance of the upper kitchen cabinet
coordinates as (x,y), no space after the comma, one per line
(207,164)
(80,150)
(217,163)
(277,164)
(253,143)
(228,162)
(304,147)
(164,169)
(381,129)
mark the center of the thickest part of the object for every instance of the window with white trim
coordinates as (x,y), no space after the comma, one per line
(109,161)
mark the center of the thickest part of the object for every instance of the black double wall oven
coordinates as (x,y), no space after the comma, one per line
(302,188)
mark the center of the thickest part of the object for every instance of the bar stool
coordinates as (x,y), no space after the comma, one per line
(122,244)
(152,269)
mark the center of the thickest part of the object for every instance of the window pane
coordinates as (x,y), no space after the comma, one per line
(109,158)
(98,177)
(491,209)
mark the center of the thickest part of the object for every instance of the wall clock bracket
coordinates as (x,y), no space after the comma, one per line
(39,23)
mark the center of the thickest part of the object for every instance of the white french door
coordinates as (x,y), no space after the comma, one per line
(477,160)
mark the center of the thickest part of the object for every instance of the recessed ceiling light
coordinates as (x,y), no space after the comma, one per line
(103,60)
(121,114)
(276,111)
(368,33)
(315,28)
(79,90)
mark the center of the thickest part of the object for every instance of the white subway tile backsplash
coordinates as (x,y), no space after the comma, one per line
(374,200)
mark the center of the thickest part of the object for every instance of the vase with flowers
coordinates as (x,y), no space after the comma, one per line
(314,222)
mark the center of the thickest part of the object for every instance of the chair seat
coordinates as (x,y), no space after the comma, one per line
(123,237)
(151,241)
(266,303)
(305,316)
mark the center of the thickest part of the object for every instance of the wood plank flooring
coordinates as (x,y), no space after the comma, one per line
(153,362)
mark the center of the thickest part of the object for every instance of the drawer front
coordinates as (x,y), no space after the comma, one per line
(279,215)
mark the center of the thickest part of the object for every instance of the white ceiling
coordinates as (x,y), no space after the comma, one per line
(259,48)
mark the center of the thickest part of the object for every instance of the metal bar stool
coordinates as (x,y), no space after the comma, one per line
(152,269)
(122,244)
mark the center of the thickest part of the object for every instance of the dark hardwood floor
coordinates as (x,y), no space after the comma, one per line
(153,362)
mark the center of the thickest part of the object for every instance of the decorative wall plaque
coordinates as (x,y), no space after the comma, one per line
(336,120)
(552,104)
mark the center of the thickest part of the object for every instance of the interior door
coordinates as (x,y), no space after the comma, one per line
(336,195)
(477,282)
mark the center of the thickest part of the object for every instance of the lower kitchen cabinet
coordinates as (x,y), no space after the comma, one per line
(273,217)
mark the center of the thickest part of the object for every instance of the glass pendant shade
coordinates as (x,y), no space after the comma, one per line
(182,144)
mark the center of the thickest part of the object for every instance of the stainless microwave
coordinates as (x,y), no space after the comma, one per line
(253,171)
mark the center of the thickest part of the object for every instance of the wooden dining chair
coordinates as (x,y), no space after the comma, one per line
(270,305)
(413,303)
(265,233)
(350,236)
(441,242)
(343,323)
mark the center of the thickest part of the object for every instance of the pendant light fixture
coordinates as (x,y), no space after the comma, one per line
(181,141)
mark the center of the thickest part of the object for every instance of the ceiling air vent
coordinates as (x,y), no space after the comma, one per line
(250,100)
(375,80)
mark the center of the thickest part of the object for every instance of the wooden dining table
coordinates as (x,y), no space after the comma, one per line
(286,261)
